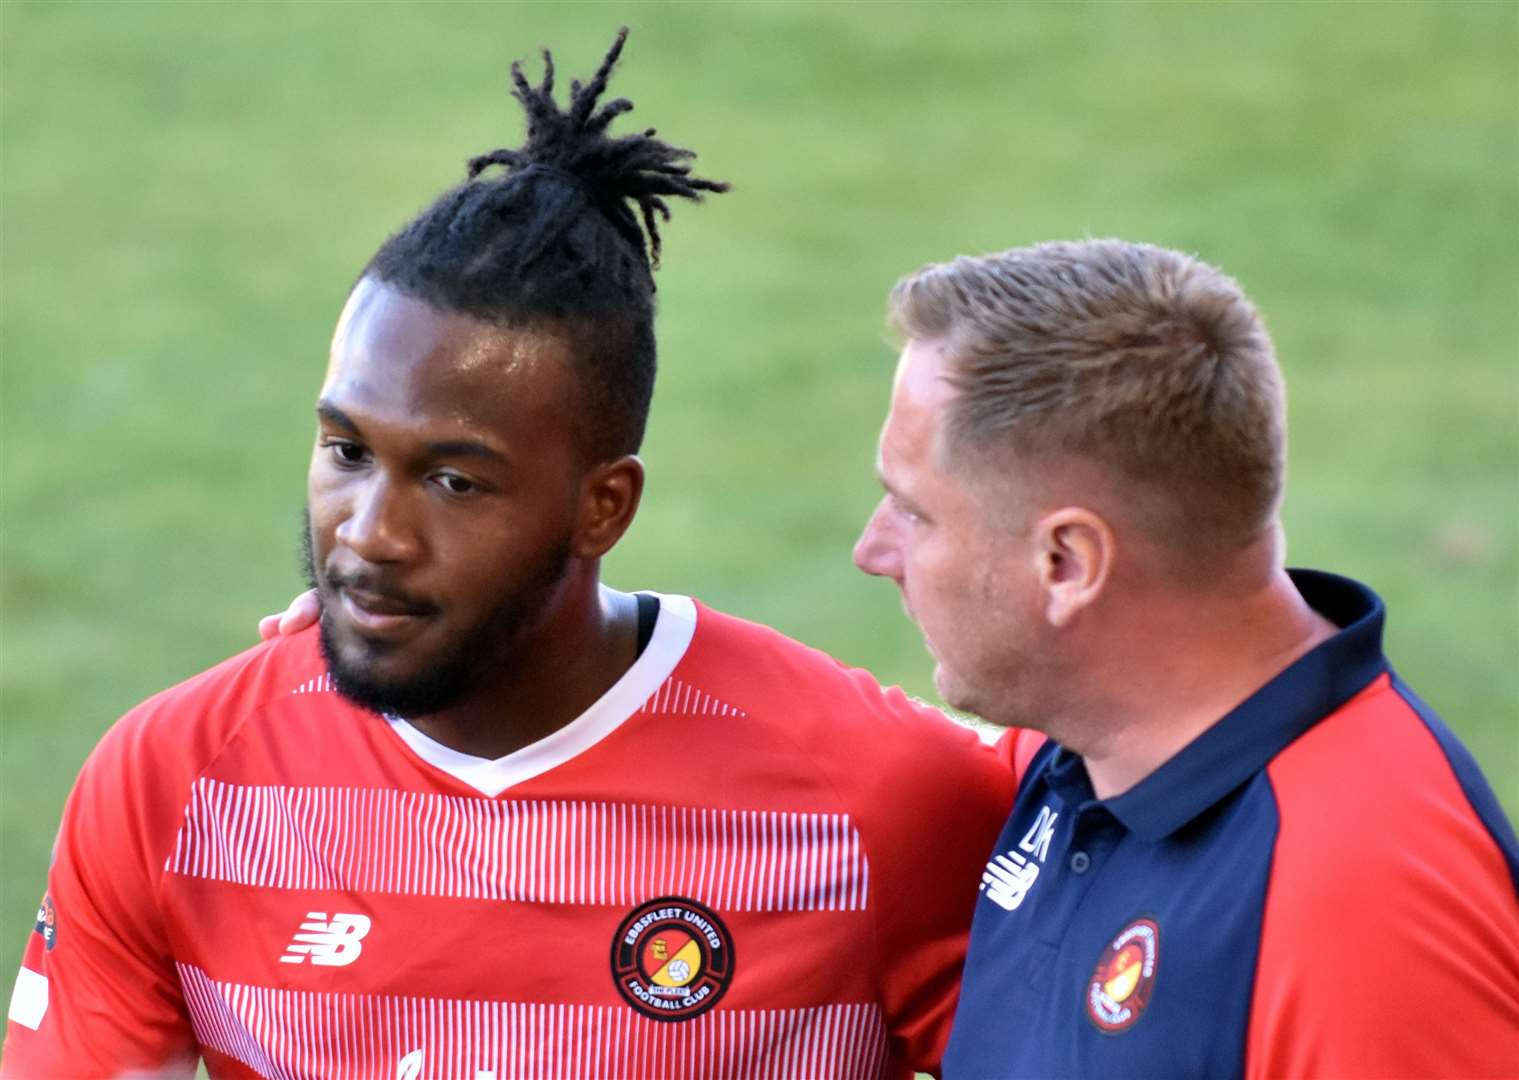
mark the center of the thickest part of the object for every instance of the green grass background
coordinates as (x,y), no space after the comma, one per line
(186,191)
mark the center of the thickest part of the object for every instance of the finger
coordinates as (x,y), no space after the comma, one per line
(268,626)
(303,611)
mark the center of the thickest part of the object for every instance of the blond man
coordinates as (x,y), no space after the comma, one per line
(1241,845)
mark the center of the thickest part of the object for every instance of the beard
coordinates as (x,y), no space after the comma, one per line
(463,665)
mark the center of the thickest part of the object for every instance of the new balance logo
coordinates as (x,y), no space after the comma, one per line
(331,944)
(1009,876)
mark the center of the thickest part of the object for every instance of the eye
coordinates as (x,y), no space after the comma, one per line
(455,484)
(344,453)
(904,511)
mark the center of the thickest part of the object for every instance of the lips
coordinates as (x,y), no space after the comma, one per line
(378,613)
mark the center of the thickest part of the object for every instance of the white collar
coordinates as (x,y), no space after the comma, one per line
(672,635)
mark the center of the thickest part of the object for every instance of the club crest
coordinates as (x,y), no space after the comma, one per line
(1123,980)
(672,958)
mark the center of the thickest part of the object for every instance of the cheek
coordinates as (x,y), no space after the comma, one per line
(324,489)
(324,501)
(471,559)
(320,471)
(482,555)
(935,568)
(318,545)
(963,590)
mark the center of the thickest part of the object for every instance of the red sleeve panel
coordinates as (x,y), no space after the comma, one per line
(1390,939)
(98,995)
(1017,747)
(109,998)
(938,803)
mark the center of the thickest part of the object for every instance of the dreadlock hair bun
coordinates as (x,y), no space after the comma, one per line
(567,234)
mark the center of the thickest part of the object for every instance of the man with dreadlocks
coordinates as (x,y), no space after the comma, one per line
(494,818)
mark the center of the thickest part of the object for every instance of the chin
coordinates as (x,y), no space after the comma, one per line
(377,675)
(345,648)
(951,692)
(965,698)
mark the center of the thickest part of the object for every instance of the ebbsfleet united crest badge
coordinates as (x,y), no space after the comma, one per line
(672,958)
(1124,978)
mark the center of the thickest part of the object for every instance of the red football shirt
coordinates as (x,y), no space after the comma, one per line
(744,860)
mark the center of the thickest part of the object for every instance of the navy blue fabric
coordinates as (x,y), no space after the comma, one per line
(648,615)
(1478,791)
(1189,847)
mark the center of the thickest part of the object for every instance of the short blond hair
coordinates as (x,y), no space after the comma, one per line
(1148,362)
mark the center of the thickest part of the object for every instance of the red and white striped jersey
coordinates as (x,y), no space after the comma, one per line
(745,860)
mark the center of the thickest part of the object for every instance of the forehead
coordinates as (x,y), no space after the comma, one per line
(914,460)
(920,398)
(922,372)
(399,358)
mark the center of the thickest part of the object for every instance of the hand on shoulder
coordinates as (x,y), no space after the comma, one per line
(303,611)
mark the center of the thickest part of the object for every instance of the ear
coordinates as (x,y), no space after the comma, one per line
(1075,549)
(609,496)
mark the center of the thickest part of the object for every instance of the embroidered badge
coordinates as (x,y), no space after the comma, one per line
(47,922)
(672,958)
(1124,978)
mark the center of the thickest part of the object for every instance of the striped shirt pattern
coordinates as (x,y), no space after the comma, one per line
(322,684)
(675,698)
(566,852)
(294,1035)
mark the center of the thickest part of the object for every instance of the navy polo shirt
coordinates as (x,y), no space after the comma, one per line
(1124,937)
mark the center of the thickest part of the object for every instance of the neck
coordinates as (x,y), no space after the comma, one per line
(557,670)
(1183,666)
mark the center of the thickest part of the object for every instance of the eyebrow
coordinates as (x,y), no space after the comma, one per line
(447,448)
(464,448)
(334,415)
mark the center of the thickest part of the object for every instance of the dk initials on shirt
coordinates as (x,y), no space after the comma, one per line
(1010,875)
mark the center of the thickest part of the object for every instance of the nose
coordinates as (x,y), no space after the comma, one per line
(876,551)
(378,528)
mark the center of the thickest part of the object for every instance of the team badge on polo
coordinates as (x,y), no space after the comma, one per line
(1124,978)
(672,958)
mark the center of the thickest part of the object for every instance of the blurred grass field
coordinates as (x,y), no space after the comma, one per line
(187,190)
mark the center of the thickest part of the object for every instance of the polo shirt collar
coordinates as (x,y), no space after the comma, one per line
(1241,744)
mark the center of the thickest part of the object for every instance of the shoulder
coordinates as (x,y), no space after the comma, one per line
(779,680)
(1378,792)
(1387,878)
(876,743)
(177,731)
(1381,792)
(128,803)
